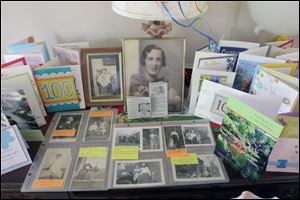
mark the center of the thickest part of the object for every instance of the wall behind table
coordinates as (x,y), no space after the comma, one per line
(95,22)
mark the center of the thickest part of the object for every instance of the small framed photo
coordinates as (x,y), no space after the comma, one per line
(139,173)
(151,139)
(207,169)
(197,135)
(102,73)
(148,60)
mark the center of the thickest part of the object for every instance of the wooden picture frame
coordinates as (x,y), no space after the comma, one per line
(138,73)
(102,75)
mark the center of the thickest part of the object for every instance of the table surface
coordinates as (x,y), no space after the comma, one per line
(282,185)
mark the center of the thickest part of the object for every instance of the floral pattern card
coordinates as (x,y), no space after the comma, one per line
(264,83)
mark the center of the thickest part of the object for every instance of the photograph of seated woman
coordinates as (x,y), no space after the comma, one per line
(152,60)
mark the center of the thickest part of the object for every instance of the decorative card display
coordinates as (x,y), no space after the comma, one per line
(17,62)
(57,88)
(212,101)
(263,83)
(14,154)
(34,60)
(13,71)
(209,61)
(38,47)
(247,138)
(285,156)
(285,68)
(245,68)
(23,82)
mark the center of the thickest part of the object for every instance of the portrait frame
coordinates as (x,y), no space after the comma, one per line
(171,70)
(102,75)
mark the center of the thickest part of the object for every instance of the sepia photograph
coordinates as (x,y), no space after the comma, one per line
(196,135)
(152,139)
(55,164)
(89,173)
(127,136)
(139,173)
(67,122)
(174,138)
(98,129)
(150,60)
(208,169)
(102,73)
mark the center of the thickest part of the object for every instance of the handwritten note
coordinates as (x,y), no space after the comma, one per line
(125,153)
(192,158)
(93,152)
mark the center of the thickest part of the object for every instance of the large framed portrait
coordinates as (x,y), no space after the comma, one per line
(102,73)
(149,60)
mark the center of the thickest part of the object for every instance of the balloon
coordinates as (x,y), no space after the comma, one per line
(276,17)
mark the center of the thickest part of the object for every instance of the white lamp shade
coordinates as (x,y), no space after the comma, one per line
(154,10)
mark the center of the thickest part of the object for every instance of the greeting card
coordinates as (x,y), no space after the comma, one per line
(57,88)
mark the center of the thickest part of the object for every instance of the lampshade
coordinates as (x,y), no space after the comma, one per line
(154,10)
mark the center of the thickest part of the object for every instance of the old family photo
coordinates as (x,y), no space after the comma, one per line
(155,60)
(55,164)
(148,139)
(207,169)
(139,173)
(176,137)
(89,173)
(98,129)
(68,122)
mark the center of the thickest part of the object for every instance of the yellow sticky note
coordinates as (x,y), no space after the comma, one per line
(192,158)
(93,152)
(125,153)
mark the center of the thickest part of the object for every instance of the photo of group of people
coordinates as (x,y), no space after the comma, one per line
(197,135)
(98,129)
(139,173)
(148,139)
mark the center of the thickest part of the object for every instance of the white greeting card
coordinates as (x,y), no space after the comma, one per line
(14,154)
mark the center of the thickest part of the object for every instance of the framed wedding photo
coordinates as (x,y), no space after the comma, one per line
(102,73)
(149,60)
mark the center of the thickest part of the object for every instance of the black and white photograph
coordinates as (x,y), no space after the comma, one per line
(127,136)
(139,173)
(150,60)
(174,137)
(98,129)
(196,135)
(15,105)
(89,173)
(208,169)
(145,109)
(55,164)
(152,139)
(67,122)
(102,71)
